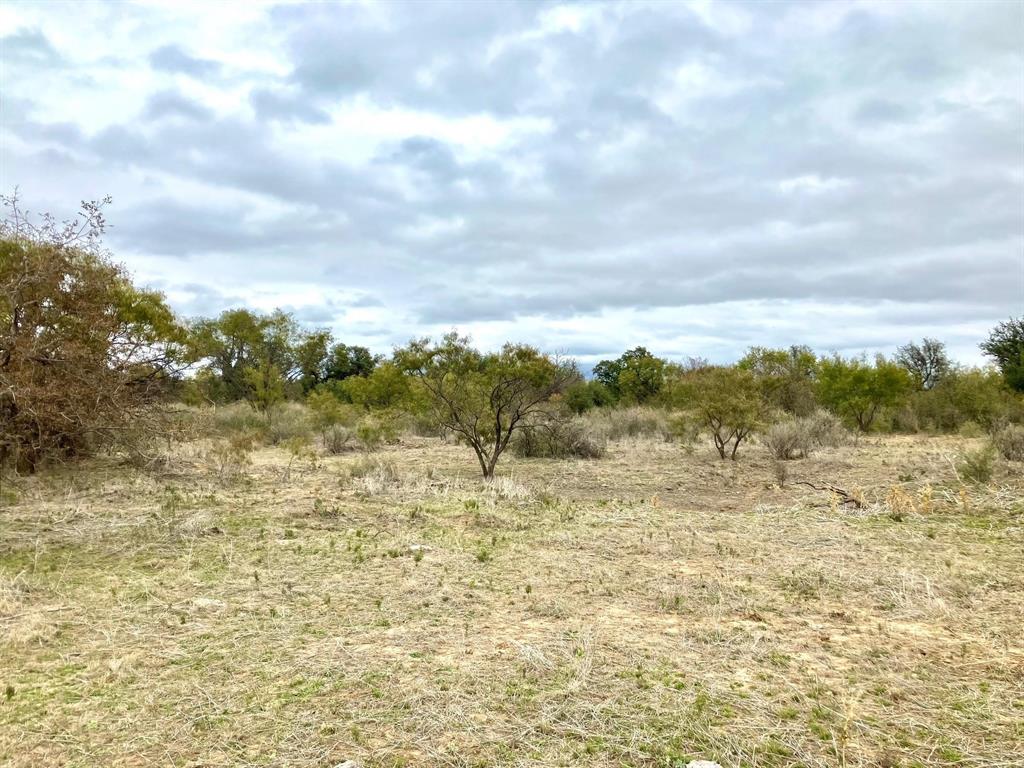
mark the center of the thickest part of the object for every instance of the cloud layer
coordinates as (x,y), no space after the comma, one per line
(695,177)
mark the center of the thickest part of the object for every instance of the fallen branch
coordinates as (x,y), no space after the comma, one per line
(844,496)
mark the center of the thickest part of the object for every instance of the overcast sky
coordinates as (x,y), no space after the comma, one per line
(694,177)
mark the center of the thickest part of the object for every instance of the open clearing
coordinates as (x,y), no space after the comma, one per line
(641,610)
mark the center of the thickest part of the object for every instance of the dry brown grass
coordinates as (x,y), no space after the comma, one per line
(640,610)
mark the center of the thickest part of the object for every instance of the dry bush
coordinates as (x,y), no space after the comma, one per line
(237,418)
(374,476)
(230,456)
(788,439)
(558,439)
(337,438)
(287,421)
(826,430)
(85,356)
(1009,441)
(797,438)
(614,424)
(508,489)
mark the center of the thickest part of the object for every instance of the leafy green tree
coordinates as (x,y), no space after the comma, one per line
(345,361)
(926,362)
(1005,345)
(635,377)
(485,397)
(311,359)
(857,390)
(239,339)
(786,376)
(728,401)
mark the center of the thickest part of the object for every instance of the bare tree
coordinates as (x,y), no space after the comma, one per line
(927,362)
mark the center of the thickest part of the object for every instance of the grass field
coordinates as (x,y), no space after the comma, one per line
(646,609)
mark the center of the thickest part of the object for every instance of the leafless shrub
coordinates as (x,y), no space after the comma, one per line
(558,439)
(797,438)
(789,439)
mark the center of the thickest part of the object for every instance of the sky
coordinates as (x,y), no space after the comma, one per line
(694,177)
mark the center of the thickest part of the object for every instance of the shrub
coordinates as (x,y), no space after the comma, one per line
(860,391)
(85,356)
(978,465)
(376,429)
(336,438)
(558,440)
(1009,441)
(237,418)
(796,438)
(230,456)
(788,439)
(288,421)
(826,430)
(485,397)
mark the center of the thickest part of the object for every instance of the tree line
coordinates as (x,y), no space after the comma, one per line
(89,361)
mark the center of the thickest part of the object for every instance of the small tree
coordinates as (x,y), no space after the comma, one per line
(264,387)
(926,362)
(729,403)
(1005,345)
(858,390)
(485,397)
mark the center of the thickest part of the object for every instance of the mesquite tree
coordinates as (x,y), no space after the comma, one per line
(485,397)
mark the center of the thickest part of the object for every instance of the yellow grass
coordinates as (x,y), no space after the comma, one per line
(641,610)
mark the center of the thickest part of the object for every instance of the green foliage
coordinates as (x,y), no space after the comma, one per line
(1005,345)
(635,377)
(345,361)
(240,339)
(264,386)
(728,401)
(978,465)
(858,390)
(485,397)
(585,395)
(786,376)
(386,387)
(966,395)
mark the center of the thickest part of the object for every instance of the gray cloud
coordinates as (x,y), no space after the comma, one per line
(29,48)
(708,178)
(173,58)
